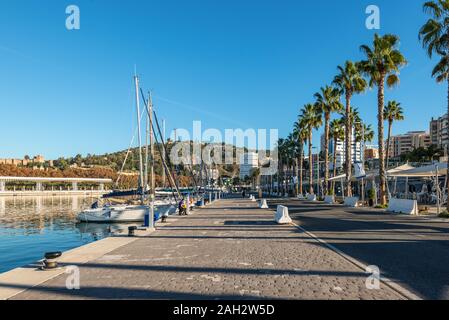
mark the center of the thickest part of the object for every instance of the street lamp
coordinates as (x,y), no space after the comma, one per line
(362,157)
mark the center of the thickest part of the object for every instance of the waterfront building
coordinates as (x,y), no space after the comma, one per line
(439,132)
(404,143)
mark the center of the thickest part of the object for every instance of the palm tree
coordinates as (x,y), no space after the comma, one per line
(382,64)
(337,133)
(392,112)
(301,136)
(310,119)
(281,154)
(434,36)
(327,101)
(349,81)
(290,156)
(364,134)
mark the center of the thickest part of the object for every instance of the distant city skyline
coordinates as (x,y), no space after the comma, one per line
(230,65)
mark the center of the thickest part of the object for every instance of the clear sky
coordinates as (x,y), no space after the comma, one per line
(230,64)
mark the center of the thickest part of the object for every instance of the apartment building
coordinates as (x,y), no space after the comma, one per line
(439,135)
(401,144)
(340,152)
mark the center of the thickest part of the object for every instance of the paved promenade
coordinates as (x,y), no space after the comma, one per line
(412,250)
(228,250)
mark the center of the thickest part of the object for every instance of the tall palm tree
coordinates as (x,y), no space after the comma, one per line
(301,136)
(392,112)
(364,134)
(327,101)
(337,133)
(281,155)
(310,119)
(381,66)
(349,81)
(434,36)
(290,155)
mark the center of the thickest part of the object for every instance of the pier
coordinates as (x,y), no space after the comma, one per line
(40,187)
(229,249)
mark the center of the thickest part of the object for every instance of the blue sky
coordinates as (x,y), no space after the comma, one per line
(230,64)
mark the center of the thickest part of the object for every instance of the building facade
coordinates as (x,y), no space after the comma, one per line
(248,163)
(439,135)
(371,153)
(339,151)
(404,143)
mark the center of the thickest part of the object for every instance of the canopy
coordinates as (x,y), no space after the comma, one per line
(422,172)
(399,169)
(340,177)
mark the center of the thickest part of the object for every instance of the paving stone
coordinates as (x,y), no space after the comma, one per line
(216,253)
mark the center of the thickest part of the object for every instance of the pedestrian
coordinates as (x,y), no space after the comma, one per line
(182,207)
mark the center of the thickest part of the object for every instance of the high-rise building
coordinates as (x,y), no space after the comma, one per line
(404,143)
(248,163)
(340,152)
(439,132)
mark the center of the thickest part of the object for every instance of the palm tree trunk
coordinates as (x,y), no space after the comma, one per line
(348,134)
(326,154)
(297,176)
(447,146)
(286,177)
(279,176)
(387,152)
(335,164)
(310,163)
(301,162)
(380,126)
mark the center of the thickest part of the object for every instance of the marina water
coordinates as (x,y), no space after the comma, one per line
(31,226)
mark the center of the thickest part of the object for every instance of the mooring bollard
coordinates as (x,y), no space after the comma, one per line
(50,261)
(132,231)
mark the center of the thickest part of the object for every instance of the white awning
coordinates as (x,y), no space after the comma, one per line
(402,168)
(340,177)
(423,172)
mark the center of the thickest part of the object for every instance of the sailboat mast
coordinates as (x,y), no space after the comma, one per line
(153,184)
(163,141)
(147,133)
(136,82)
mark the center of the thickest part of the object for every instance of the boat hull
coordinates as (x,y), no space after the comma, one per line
(124,214)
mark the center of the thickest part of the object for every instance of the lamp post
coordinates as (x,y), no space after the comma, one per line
(362,158)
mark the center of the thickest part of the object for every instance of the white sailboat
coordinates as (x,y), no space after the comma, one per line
(134,213)
(124,213)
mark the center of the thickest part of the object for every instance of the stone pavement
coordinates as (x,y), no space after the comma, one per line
(228,250)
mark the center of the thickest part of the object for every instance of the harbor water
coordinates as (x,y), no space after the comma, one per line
(31,226)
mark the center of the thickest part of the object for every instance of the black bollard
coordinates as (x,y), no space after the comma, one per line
(50,261)
(132,231)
